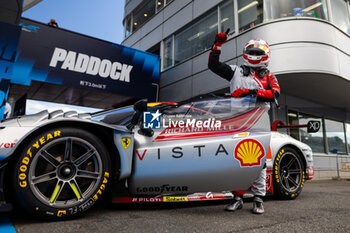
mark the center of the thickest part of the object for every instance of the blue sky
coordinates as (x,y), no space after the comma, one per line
(98,18)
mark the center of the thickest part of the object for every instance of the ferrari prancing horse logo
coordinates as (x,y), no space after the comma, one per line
(249,153)
(126,142)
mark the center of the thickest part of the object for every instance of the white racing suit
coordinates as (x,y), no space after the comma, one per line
(258,187)
(252,80)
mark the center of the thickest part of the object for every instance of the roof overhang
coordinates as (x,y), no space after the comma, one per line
(29,4)
(328,89)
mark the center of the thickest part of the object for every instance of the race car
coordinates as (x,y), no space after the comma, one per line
(57,165)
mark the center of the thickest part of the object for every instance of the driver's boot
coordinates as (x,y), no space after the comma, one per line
(258,207)
(237,203)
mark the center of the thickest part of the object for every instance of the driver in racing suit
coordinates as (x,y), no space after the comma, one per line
(253,78)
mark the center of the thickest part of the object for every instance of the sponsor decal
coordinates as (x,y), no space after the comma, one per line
(175,199)
(136,199)
(344,166)
(141,156)
(7,144)
(192,197)
(239,135)
(177,152)
(83,63)
(81,208)
(29,28)
(313,126)
(151,120)
(86,205)
(161,189)
(102,187)
(238,124)
(311,170)
(23,168)
(126,142)
(269,181)
(249,153)
(60,213)
(209,195)
(303,180)
(276,165)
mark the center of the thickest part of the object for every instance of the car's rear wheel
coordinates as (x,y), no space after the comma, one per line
(288,174)
(61,173)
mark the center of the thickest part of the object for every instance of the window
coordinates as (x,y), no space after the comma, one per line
(250,13)
(159,5)
(347,128)
(275,9)
(314,140)
(340,14)
(227,17)
(144,12)
(168,53)
(196,38)
(335,136)
(127,26)
(293,120)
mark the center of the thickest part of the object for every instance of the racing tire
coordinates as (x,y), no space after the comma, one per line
(61,173)
(288,174)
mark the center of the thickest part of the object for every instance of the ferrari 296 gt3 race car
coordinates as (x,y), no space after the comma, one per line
(57,165)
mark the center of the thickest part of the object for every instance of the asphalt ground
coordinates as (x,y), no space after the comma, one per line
(323,206)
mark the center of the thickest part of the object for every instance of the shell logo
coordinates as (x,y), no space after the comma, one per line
(249,153)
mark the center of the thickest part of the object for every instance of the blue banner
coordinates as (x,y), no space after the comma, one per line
(9,36)
(62,57)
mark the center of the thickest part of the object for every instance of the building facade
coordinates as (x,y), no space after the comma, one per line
(310,55)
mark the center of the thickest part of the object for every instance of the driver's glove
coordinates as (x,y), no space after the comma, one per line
(220,39)
(241,92)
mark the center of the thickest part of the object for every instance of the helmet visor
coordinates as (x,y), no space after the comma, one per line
(256,50)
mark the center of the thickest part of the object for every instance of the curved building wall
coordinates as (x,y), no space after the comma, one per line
(294,49)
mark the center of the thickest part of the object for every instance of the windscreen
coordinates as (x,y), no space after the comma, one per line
(218,108)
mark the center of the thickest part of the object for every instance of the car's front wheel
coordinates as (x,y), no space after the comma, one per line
(61,173)
(288,174)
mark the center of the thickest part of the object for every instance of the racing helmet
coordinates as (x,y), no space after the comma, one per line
(256,53)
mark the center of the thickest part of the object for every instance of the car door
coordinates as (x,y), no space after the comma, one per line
(191,158)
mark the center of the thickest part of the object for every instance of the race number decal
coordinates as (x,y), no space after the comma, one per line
(249,153)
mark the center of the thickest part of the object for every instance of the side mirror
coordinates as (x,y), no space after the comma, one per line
(141,105)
